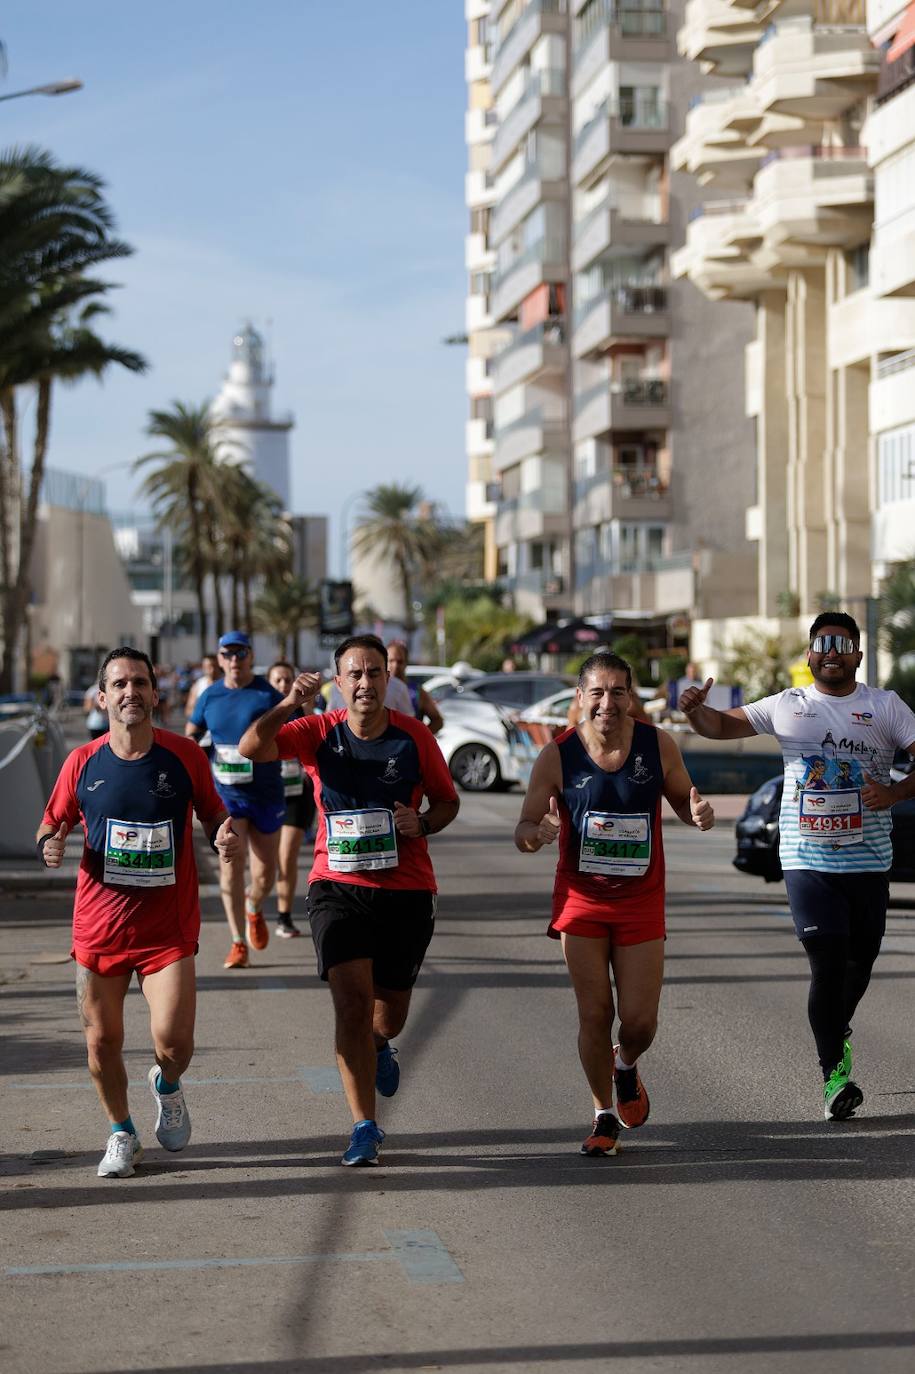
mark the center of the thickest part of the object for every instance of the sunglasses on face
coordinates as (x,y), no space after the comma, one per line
(841,644)
(234,653)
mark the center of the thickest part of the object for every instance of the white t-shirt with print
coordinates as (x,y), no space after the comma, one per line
(828,744)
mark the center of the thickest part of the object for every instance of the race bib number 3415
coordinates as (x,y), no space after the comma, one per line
(138,854)
(359,841)
(616,846)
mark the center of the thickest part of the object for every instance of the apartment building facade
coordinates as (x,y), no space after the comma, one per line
(812,138)
(605,407)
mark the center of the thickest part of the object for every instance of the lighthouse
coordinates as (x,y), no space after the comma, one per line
(249,434)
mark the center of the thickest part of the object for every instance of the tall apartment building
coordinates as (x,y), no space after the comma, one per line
(608,451)
(816,120)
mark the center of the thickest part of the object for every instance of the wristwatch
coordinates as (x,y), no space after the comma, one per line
(424,826)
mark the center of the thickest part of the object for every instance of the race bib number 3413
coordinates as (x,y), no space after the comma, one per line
(359,841)
(138,854)
(616,846)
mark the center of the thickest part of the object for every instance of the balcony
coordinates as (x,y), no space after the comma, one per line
(625,34)
(478,256)
(656,586)
(479,189)
(629,125)
(478,437)
(544,261)
(535,184)
(813,71)
(812,198)
(478,377)
(719,35)
(890,126)
(864,325)
(882,15)
(720,239)
(477,505)
(477,313)
(714,146)
(617,493)
(530,516)
(617,224)
(542,101)
(479,126)
(529,355)
(618,313)
(477,64)
(892,395)
(539,17)
(532,433)
(615,406)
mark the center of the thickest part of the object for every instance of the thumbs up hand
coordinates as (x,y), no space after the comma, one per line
(694,697)
(700,810)
(52,851)
(227,841)
(548,829)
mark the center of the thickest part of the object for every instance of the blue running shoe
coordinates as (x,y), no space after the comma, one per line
(387,1074)
(363,1144)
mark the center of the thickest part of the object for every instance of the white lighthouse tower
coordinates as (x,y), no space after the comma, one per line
(251,435)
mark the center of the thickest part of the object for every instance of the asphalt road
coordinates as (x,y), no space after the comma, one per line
(736,1230)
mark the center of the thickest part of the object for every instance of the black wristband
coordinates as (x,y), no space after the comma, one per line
(424,825)
(213,835)
(40,844)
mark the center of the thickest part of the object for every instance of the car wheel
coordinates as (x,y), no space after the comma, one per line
(475,768)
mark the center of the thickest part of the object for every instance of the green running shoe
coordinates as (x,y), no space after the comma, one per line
(845,1062)
(841,1096)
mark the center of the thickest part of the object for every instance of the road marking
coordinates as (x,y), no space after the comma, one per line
(319,1080)
(420,1254)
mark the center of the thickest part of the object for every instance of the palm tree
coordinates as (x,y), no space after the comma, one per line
(284,607)
(185,490)
(54,226)
(393,530)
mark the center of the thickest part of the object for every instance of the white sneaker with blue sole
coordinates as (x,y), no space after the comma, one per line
(173,1120)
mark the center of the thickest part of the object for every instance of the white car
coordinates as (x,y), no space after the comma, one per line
(482,746)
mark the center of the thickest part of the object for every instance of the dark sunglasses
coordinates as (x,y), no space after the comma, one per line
(239,652)
(822,644)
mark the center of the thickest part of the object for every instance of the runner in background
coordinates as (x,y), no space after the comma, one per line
(299,822)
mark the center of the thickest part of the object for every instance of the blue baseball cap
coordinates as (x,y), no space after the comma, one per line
(235,637)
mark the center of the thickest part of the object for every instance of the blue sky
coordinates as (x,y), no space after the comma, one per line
(300,162)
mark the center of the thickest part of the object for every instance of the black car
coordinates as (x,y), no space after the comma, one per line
(757,836)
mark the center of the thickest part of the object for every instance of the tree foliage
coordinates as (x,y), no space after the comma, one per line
(760,664)
(55,228)
(897,629)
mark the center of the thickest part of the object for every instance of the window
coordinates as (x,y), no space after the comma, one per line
(896,466)
(858,263)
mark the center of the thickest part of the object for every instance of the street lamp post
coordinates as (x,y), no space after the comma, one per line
(52,88)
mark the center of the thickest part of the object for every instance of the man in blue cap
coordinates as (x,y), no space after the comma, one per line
(251,792)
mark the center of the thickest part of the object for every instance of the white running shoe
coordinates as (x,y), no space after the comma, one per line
(122,1152)
(173,1120)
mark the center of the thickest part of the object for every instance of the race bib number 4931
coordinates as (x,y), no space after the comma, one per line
(834,817)
(359,841)
(138,854)
(615,845)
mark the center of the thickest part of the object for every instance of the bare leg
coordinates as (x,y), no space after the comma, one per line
(353,992)
(288,873)
(171,995)
(638,971)
(232,884)
(389,1013)
(263,855)
(101,1008)
(588,962)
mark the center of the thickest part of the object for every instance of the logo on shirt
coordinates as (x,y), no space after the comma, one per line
(862,717)
(582,782)
(163,787)
(338,749)
(95,785)
(390,773)
(639,772)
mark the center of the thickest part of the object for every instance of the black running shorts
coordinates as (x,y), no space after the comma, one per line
(835,903)
(392,928)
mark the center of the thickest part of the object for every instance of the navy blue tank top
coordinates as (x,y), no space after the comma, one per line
(610,845)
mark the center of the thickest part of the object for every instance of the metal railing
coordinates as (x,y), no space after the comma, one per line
(710,208)
(640,112)
(551,331)
(544,250)
(899,362)
(632,21)
(632,391)
(820,152)
(631,299)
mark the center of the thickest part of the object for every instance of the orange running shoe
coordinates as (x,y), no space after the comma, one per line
(632,1103)
(604,1136)
(237,956)
(258,934)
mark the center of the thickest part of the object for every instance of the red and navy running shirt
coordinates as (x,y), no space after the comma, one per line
(352,775)
(137,886)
